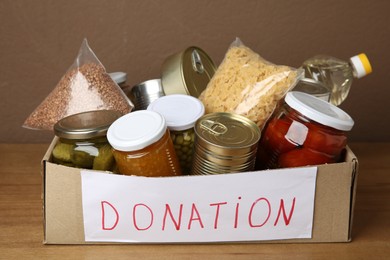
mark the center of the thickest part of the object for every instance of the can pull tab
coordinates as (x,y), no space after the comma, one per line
(213,127)
(197,64)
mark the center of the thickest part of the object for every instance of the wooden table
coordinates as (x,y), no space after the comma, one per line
(21,227)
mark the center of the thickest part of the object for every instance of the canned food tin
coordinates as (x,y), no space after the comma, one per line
(187,72)
(145,93)
(224,143)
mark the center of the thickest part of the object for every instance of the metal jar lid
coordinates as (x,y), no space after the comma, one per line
(227,134)
(86,125)
(187,72)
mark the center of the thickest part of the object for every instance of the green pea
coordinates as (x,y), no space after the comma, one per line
(179,139)
(187,137)
(185,149)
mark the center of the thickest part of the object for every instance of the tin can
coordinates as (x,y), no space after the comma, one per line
(145,93)
(224,143)
(187,72)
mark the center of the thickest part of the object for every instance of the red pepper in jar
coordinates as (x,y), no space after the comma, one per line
(302,157)
(304,131)
(325,139)
(275,136)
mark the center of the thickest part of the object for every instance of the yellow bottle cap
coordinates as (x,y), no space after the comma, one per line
(361,64)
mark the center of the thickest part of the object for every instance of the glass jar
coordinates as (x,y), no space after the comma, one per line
(82,140)
(303,131)
(181,113)
(142,145)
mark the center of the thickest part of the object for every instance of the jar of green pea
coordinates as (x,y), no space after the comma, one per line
(181,113)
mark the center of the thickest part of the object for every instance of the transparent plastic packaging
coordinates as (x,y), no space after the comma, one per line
(336,74)
(86,86)
(142,145)
(248,85)
(303,131)
(314,88)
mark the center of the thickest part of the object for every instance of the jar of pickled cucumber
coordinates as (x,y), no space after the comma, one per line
(82,140)
(142,145)
(181,113)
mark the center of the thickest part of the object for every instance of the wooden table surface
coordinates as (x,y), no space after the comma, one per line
(21,226)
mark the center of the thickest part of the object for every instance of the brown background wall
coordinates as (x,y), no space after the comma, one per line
(40,40)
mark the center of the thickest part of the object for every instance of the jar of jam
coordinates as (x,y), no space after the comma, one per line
(181,113)
(305,130)
(142,145)
(82,140)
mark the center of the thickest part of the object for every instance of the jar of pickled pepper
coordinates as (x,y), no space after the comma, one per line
(181,113)
(82,140)
(305,130)
(142,145)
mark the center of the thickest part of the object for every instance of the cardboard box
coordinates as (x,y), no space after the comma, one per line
(333,204)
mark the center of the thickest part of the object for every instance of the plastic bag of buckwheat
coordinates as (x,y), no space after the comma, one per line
(86,86)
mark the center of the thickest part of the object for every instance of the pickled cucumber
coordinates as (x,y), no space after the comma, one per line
(57,161)
(62,152)
(105,160)
(82,159)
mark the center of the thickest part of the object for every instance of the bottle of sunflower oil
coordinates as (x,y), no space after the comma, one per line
(337,74)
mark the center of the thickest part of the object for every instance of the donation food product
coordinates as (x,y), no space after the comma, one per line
(224,143)
(336,74)
(142,145)
(181,113)
(82,140)
(85,87)
(248,85)
(304,131)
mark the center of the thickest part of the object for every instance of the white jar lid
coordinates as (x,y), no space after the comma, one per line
(118,77)
(319,110)
(136,130)
(180,111)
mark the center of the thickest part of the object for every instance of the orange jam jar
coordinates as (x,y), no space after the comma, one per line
(142,145)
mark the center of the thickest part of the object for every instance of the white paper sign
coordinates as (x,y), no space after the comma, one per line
(252,206)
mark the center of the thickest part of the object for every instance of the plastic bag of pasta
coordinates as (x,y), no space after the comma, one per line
(86,86)
(248,85)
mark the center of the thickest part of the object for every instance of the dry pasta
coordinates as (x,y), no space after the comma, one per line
(248,85)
